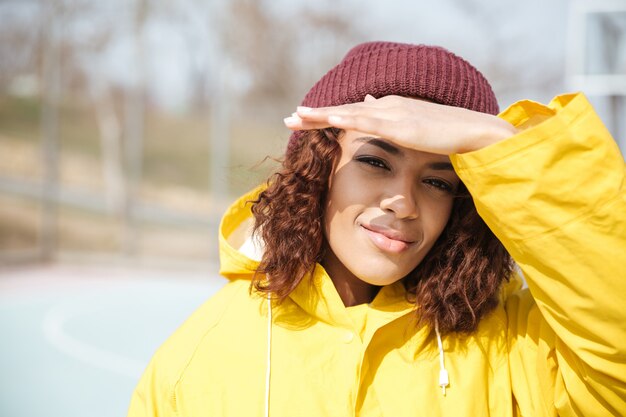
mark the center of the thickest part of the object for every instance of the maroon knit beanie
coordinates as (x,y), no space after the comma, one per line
(389,68)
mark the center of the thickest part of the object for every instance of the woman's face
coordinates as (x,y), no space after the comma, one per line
(386,207)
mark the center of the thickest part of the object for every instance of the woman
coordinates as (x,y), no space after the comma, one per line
(371,287)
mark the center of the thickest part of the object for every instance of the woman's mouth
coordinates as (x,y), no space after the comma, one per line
(387,240)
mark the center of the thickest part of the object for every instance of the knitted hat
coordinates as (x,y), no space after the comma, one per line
(389,68)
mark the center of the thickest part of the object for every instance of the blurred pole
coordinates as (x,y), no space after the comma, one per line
(219,136)
(597,39)
(614,43)
(110,143)
(618,113)
(51,93)
(134,131)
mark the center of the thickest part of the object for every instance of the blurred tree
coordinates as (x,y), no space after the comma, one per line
(18,54)
(510,72)
(271,50)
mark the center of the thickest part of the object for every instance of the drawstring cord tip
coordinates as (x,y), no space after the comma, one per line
(443,381)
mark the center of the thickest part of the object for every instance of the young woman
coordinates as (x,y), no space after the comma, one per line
(371,275)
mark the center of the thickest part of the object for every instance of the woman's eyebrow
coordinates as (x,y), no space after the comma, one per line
(390,148)
(441,166)
(381,143)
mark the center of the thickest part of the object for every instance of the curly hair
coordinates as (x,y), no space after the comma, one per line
(454,286)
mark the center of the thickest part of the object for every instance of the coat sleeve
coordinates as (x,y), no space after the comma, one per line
(554,194)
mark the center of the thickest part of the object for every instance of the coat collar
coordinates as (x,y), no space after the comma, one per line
(317,295)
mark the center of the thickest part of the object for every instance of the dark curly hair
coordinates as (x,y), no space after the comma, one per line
(454,286)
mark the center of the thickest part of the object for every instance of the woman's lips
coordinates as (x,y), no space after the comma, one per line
(386,240)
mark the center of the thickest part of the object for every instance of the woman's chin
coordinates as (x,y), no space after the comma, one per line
(380,275)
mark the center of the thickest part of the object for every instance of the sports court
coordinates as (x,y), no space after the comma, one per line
(76,337)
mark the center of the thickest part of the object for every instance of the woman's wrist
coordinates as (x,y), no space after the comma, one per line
(488,134)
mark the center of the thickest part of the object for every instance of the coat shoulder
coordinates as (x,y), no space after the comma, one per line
(173,357)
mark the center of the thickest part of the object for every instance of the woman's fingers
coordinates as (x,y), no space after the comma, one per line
(347,116)
(372,125)
(322,113)
(294,122)
(392,117)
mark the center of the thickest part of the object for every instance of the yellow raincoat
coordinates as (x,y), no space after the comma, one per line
(553,194)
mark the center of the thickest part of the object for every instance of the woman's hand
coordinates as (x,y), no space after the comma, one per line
(414,124)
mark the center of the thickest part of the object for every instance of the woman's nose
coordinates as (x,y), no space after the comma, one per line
(403,205)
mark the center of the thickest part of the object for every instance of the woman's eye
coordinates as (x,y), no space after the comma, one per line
(373,161)
(439,184)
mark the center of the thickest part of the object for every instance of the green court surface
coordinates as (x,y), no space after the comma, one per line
(74,339)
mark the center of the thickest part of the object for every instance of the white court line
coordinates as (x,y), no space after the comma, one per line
(53,328)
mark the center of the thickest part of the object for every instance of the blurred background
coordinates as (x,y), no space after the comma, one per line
(127,126)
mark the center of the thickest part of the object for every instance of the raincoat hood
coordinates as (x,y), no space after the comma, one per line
(235,234)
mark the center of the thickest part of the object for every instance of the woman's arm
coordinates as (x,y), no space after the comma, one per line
(555,196)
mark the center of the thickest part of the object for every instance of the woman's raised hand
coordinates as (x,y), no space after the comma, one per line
(414,124)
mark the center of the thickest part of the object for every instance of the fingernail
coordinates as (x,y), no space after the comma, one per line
(303,109)
(334,119)
(369,97)
(290,121)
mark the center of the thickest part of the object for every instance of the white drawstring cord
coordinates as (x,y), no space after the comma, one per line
(443,374)
(269,355)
